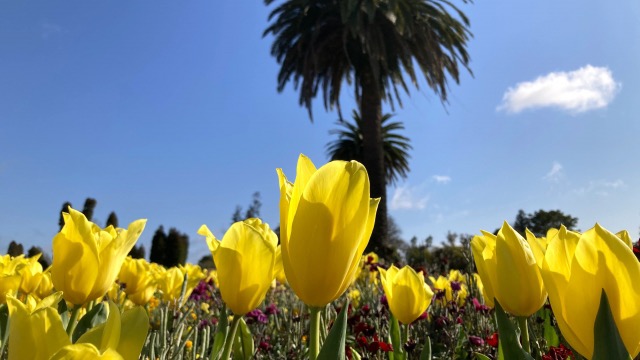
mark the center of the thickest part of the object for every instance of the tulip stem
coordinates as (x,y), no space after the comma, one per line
(314,333)
(524,333)
(73,321)
(231,336)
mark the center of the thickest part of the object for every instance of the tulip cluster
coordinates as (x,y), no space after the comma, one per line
(577,270)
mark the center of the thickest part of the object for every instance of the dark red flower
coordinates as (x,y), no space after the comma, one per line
(493,340)
(557,353)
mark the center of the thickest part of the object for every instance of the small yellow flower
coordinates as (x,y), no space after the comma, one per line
(204,307)
(188,344)
(354,296)
(407,293)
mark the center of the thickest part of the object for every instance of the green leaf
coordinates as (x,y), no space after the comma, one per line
(607,341)
(396,342)
(334,345)
(64,312)
(481,356)
(550,334)
(221,334)
(243,347)
(426,350)
(509,342)
(96,316)
(4,325)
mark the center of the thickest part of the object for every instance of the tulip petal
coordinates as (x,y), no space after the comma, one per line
(135,326)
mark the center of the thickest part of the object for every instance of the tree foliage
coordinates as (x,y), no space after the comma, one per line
(253,210)
(349,145)
(89,207)
(541,221)
(112,220)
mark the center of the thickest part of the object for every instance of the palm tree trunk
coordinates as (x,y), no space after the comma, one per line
(373,158)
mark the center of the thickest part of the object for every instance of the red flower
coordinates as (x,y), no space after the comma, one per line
(493,340)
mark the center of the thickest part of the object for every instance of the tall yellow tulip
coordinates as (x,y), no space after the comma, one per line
(576,268)
(509,271)
(87,259)
(326,219)
(407,293)
(245,260)
(35,323)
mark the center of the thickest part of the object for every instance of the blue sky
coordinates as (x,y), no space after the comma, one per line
(169,111)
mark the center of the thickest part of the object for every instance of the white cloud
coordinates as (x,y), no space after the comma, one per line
(442,179)
(408,198)
(585,89)
(555,174)
(601,187)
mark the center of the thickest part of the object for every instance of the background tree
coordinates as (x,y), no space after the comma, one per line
(44,259)
(349,146)
(177,248)
(541,221)
(253,210)
(137,252)
(112,220)
(373,45)
(65,208)
(15,249)
(158,246)
(89,206)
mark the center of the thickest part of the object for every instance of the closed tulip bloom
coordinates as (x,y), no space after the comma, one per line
(245,260)
(326,219)
(509,271)
(35,323)
(407,293)
(138,280)
(576,268)
(87,259)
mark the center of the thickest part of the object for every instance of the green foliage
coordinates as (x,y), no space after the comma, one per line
(65,208)
(607,341)
(334,344)
(177,248)
(137,252)
(89,207)
(349,145)
(44,259)
(112,220)
(15,249)
(541,221)
(158,246)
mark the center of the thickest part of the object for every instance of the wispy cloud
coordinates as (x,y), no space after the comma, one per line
(49,30)
(600,187)
(585,89)
(442,179)
(555,174)
(408,198)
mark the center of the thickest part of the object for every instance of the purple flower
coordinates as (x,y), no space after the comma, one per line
(272,309)
(476,340)
(257,316)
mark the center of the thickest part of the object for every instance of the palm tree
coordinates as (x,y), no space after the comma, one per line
(373,45)
(348,146)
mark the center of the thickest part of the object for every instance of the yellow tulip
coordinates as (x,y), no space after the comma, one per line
(278,270)
(9,278)
(122,333)
(36,328)
(443,286)
(137,280)
(326,219)
(170,283)
(576,268)
(45,288)
(194,276)
(31,273)
(407,293)
(245,260)
(84,352)
(509,271)
(87,259)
